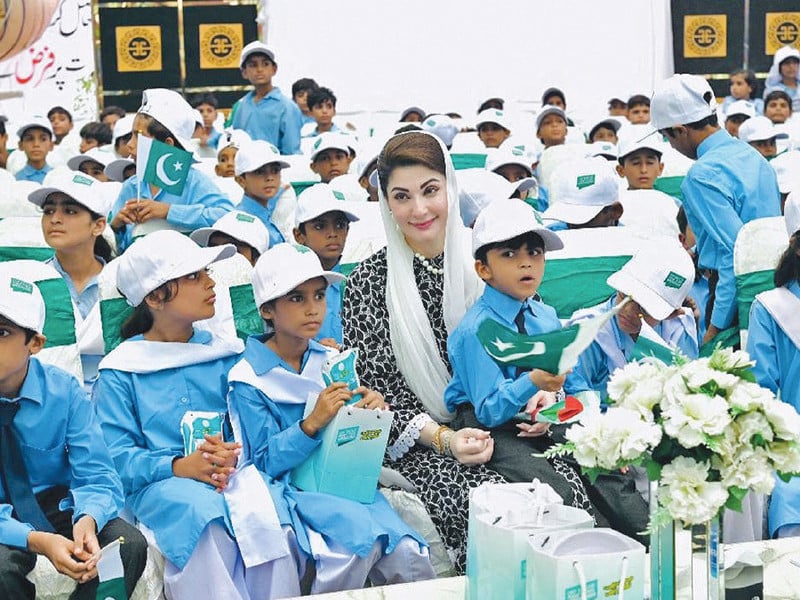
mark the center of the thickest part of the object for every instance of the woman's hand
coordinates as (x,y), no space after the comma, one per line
(471,446)
(330,400)
(370,399)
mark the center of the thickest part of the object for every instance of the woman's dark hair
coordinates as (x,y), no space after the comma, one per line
(789,265)
(407,150)
(159,132)
(141,319)
(749,78)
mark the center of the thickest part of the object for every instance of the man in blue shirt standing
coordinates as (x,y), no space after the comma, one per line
(729,185)
(265,113)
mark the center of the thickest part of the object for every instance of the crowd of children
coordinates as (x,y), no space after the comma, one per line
(332,239)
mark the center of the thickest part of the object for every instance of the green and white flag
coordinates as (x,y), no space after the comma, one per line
(110,573)
(650,345)
(162,165)
(555,352)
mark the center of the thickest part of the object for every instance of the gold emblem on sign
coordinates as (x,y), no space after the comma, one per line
(138,48)
(782,29)
(705,36)
(220,45)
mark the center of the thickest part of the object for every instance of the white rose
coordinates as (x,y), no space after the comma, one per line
(630,378)
(728,359)
(687,495)
(785,456)
(750,470)
(618,436)
(784,419)
(751,424)
(747,396)
(693,416)
(698,373)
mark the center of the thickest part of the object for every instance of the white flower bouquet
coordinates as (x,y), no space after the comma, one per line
(703,429)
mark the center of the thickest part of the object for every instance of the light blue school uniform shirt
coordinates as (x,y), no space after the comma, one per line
(61,444)
(315,131)
(275,118)
(496,393)
(332,325)
(140,414)
(777,368)
(263,214)
(729,185)
(28,173)
(200,204)
(274,441)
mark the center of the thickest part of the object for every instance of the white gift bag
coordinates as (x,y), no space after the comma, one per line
(502,517)
(585,565)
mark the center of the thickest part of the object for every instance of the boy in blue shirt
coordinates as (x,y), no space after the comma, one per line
(322,107)
(322,224)
(36,141)
(258,170)
(60,495)
(265,113)
(331,155)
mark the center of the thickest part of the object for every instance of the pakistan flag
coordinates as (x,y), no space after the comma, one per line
(110,573)
(162,165)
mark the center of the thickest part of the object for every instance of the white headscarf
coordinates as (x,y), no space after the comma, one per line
(413,341)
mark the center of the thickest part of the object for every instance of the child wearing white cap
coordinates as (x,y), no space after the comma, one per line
(239,229)
(228,145)
(61,495)
(73,220)
(762,135)
(258,170)
(264,112)
(167,373)
(93,163)
(349,542)
(331,155)
(640,152)
(551,126)
(35,142)
(493,127)
(737,113)
(168,118)
(728,185)
(657,280)
(773,342)
(784,75)
(321,223)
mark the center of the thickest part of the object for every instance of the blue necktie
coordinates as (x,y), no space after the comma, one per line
(519,321)
(19,492)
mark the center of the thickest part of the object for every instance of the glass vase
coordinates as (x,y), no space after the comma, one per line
(685,561)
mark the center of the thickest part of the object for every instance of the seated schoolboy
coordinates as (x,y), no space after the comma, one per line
(258,170)
(239,229)
(778,106)
(657,279)
(511,163)
(331,155)
(698,295)
(640,152)
(60,495)
(638,109)
(111,114)
(493,127)
(322,223)
(264,112)
(412,114)
(168,118)
(322,107)
(123,132)
(606,150)
(300,90)
(738,112)
(617,107)
(551,126)
(605,130)
(61,122)
(94,135)
(36,142)
(348,541)
(586,194)
(93,163)
(206,104)
(228,145)
(365,179)
(443,127)
(762,135)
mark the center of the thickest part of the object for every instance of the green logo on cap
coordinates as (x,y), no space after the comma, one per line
(317,143)
(301,249)
(245,218)
(430,123)
(538,217)
(498,113)
(18,285)
(584,181)
(338,195)
(82,180)
(674,280)
(274,149)
(518,151)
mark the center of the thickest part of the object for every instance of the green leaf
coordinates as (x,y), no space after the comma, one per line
(653,469)
(713,442)
(786,477)
(758,441)
(709,388)
(735,496)
(593,473)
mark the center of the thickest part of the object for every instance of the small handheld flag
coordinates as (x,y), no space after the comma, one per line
(110,573)
(162,165)
(566,411)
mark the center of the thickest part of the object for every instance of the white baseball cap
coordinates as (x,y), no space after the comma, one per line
(549,110)
(37,121)
(123,126)
(98,154)
(508,155)
(759,129)
(785,52)
(238,225)
(607,150)
(285,266)
(639,137)
(741,107)
(584,188)
(85,190)
(412,109)
(504,219)
(255,47)
(658,278)
(253,154)
(681,99)
(160,257)
(606,122)
(478,187)
(21,301)
(172,111)
(787,169)
(442,127)
(791,212)
(318,200)
(332,140)
(232,137)
(493,115)
(115,170)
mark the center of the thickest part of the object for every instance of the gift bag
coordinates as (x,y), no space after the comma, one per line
(348,461)
(502,517)
(585,565)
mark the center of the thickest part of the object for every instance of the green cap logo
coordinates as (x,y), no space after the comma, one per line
(83,180)
(538,217)
(518,151)
(338,195)
(498,113)
(317,143)
(674,280)
(245,218)
(584,181)
(18,285)
(301,249)
(430,123)
(274,149)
